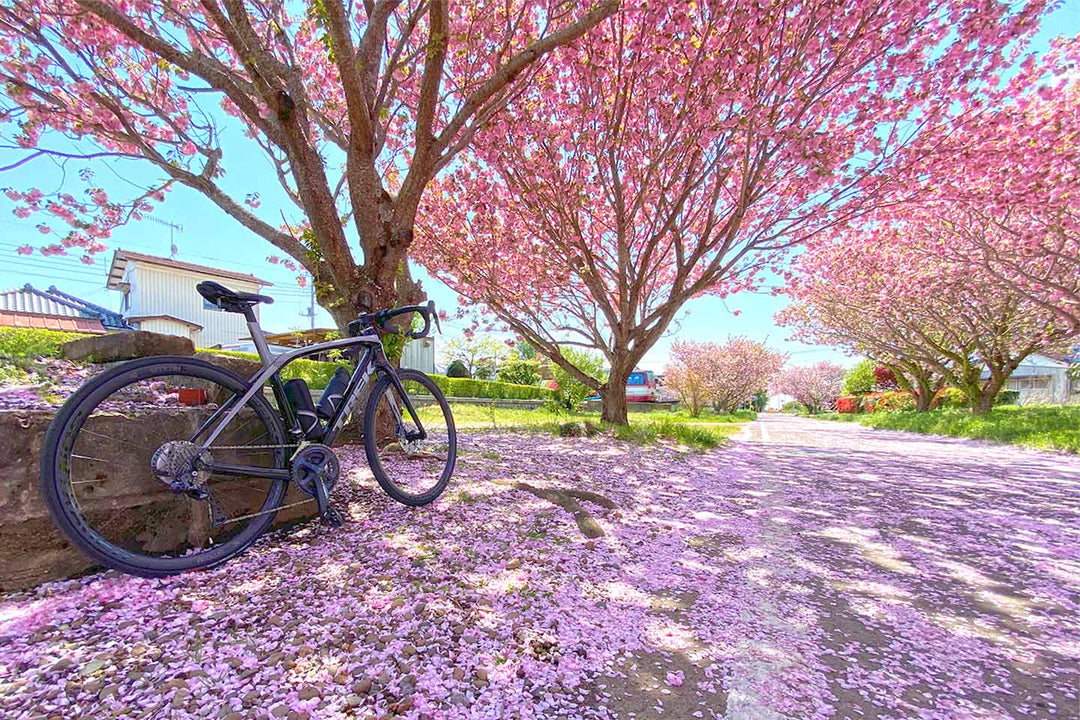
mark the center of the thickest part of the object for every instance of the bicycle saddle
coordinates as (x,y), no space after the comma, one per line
(230,300)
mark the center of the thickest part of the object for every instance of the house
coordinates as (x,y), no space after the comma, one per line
(1041,380)
(159,295)
(52,309)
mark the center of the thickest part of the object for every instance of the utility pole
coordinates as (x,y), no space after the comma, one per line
(310,312)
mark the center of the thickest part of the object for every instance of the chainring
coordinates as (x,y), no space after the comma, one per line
(311,462)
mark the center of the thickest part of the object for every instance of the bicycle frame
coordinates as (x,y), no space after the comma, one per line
(372,359)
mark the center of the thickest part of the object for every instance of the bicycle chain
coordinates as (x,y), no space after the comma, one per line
(264,512)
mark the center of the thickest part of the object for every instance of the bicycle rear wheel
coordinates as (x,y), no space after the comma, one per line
(411,471)
(114,451)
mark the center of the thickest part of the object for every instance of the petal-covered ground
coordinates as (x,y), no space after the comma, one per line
(809,570)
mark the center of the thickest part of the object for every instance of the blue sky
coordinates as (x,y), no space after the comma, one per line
(211,238)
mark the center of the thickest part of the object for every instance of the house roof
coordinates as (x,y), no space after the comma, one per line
(135,318)
(122,257)
(41,321)
(29,300)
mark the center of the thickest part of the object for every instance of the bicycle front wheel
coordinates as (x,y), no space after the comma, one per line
(414,471)
(119,449)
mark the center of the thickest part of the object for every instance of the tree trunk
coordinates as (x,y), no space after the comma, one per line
(613,396)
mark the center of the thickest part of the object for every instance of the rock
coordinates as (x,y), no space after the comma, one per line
(114,347)
(458,698)
(305,650)
(279,711)
(481,674)
(234,716)
(92,667)
(572,429)
(108,691)
(513,564)
(94,686)
(408,650)
(341,678)
(353,700)
(396,603)
(62,664)
(403,706)
(309,692)
(362,686)
(459,674)
(383,679)
(241,366)
(275,620)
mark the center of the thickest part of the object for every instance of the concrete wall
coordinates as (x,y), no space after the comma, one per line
(32,549)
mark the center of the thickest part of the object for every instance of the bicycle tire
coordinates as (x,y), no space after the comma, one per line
(63,431)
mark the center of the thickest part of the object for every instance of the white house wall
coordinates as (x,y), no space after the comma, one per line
(170,327)
(169,291)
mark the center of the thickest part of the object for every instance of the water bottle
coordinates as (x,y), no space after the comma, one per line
(333,394)
(299,396)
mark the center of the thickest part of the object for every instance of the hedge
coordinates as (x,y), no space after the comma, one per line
(32,342)
(467,387)
(315,373)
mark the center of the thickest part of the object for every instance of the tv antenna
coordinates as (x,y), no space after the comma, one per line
(173,227)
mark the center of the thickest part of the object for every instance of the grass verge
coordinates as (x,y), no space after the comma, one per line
(645,428)
(1043,428)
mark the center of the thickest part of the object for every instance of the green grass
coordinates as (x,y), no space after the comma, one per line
(645,428)
(1044,428)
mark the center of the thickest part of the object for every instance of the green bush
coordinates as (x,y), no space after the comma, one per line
(571,391)
(1007,397)
(466,387)
(794,407)
(31,342)
(951,397)
(457,369)
(519,372)
(860,379)
(315,373)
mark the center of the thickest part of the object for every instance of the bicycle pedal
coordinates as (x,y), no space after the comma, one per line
(332,518)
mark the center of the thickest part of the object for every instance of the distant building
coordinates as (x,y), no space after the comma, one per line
(53,309)
(159,295)
(1041,380)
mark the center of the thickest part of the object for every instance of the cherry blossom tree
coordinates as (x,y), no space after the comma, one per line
(696,144)
(886,292)
(688,373)
(356,106)
(974,263)
(741,368)
(815,386)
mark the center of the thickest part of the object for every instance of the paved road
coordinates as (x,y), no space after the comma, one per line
(943,575)
(809,570)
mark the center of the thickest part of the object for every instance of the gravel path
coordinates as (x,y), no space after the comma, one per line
(810,570)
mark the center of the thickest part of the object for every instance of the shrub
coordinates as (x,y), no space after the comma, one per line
(31,342)
(884,378)
(1008,397)
(520,372)
(860,379)
(457,369)
(950,397)
(466,387)
(315,373)
(847,404)
(897,401)
(571,392)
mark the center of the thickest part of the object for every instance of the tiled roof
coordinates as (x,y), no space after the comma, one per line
(58,304)
(122,257)
(40,321)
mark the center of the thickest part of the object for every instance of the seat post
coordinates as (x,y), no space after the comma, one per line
(258,338)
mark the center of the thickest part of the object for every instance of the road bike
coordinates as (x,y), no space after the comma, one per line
(165,464)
